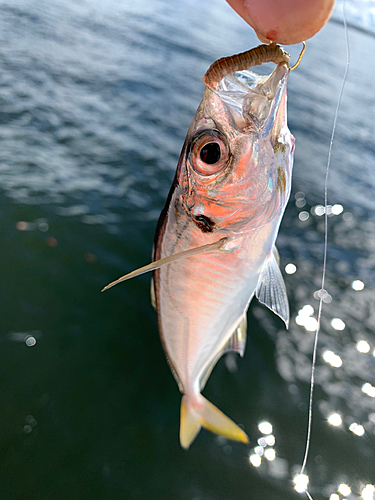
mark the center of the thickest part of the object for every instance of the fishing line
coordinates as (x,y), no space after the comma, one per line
(312,380)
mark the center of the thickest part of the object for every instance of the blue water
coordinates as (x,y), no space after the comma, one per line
(95,101)
(360,14)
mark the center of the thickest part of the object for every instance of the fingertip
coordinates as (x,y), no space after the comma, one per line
(287,22)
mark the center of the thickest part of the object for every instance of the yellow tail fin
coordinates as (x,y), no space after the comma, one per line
(204,414)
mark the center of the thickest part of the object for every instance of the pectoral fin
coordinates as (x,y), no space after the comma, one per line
(271,290)
(217,246)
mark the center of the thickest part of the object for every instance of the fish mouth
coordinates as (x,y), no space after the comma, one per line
(260,106)
(253,99)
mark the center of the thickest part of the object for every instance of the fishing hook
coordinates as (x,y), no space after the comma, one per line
(299,57)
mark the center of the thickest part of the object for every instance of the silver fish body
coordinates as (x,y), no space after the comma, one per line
(231,186)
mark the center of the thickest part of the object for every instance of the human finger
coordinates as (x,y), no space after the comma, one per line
(284,21)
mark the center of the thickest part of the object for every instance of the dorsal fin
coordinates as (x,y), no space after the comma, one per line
(271,290)
(152,293)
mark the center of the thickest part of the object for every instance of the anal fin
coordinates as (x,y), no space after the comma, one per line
(236,343)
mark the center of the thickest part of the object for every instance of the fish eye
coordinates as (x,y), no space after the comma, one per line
(209,153)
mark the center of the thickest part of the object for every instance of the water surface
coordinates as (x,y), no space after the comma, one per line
(95,101)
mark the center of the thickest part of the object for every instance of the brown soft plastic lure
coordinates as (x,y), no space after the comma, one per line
(239,62)
(245,60)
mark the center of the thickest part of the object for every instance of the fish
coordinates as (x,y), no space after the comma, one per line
(214,246)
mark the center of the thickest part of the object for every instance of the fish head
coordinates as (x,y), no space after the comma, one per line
(235,167)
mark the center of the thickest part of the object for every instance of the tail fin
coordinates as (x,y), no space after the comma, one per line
(204,414)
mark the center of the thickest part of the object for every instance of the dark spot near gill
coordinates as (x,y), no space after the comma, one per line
(204,223)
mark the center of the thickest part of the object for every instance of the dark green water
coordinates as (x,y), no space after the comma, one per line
(95,101)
